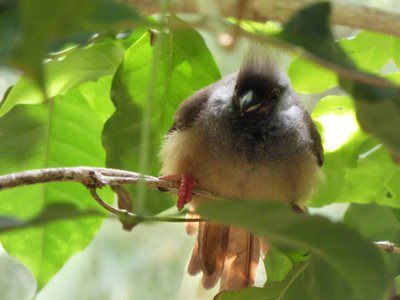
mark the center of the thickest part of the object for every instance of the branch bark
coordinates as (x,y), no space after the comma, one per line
(92,178)
(351,15)
(388,247)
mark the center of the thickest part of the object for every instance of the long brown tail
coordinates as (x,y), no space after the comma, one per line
(224,252)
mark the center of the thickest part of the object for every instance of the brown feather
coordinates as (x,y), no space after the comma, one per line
(317,147)
(189,110)
(208,253)
(264,248)
(241,263)
(194,266)
(211,245)
(191,227)
(211,280)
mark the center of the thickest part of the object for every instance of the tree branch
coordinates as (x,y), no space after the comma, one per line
(92,178)
(351,15)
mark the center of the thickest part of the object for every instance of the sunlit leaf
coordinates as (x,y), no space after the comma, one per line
(181,69)
(49,25)
(378,106)
(354,160)
(307,77)
(369,50)
(51,213)
(396,51)
(59,133)
(79,66)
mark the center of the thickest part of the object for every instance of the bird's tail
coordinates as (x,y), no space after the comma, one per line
(224,252)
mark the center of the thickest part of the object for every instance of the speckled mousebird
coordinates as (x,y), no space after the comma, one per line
(246,136)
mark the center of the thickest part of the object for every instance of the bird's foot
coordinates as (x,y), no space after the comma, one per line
(185,189)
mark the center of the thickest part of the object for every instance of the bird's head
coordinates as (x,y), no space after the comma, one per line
(260,86)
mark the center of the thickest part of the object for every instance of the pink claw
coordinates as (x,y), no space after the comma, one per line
(185,189)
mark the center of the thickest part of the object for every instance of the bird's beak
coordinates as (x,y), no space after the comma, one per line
(248,103)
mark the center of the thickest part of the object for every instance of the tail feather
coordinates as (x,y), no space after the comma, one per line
(192,227)
(229,253)
(212,245)
(241,262)
(264,247)
(195,265)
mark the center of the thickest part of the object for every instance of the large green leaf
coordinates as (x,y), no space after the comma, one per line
(51,213)
(378,105)
(81,65)
(309,78)
(307,281)
(354,160)
(336,262)
(62,132)
(10,30)
(364,219)
(48,25)
(172,70)
(277,265)
(396,51)
(370,51)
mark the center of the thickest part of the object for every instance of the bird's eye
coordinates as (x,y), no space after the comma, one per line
(275,94)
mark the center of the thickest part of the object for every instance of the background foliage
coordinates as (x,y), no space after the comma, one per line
(105,96)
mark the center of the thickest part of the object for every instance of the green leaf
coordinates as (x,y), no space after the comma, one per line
(10,30)
(81,65)
(369,50)
(300,284)
(335,249)
(308,78)
(277,265)
(51,213)
(378,104)
(381,118)
(354,160)
(113,16)
(61,132)
(396,51)
(363,218)
(309,28)
(183,65)
(49,25)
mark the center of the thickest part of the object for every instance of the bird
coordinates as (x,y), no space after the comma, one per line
(246,136)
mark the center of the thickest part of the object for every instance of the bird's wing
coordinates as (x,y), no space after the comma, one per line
(190,109)
(315,136)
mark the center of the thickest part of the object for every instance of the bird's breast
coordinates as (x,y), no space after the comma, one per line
(227,175)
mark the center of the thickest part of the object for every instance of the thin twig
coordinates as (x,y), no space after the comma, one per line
(103,204)
(388,247)
(134,217)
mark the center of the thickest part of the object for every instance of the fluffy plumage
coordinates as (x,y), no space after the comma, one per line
(245,136)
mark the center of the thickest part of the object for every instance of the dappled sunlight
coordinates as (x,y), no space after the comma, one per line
(338,129)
